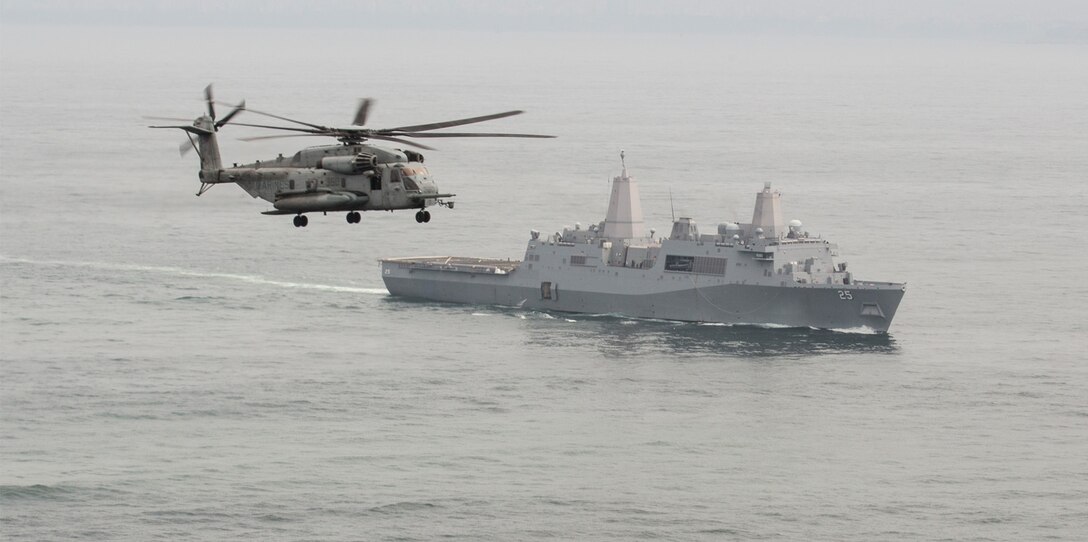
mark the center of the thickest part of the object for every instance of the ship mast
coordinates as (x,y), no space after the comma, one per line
(624,218)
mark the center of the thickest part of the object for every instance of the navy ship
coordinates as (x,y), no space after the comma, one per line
(766,272)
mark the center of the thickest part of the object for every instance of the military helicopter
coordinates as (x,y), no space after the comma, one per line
(350,177)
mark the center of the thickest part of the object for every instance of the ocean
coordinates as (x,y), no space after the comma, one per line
(175,367)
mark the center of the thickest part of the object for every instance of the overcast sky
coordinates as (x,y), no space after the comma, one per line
(1039,21)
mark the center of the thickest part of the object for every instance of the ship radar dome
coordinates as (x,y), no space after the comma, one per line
(795,224)
(729,228)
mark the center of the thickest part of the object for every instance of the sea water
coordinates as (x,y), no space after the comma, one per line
(182,367)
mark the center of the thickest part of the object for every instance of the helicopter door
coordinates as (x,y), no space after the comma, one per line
(393,189)
(377,195)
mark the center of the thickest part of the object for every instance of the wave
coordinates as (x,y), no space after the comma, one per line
(406,506)
(41,492)
(861,330)
(34,492)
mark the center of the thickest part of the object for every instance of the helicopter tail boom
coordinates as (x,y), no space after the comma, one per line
(208,148)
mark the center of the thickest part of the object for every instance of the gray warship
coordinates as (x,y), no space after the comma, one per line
(766,273)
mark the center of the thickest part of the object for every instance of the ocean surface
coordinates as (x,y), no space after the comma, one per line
(174,367)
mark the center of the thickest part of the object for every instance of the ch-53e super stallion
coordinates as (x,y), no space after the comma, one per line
(350,177)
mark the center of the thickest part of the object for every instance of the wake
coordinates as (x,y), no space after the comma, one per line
(181,272)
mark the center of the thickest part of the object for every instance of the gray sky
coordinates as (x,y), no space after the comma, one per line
(1041,20)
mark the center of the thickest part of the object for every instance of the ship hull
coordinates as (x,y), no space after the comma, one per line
(869,305)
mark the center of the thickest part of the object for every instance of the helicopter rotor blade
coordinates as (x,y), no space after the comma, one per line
(173,119)
(314,126)
(472,134)
(361,113)
(211,101)
(287,128)
(402,141)
(185,147)
(237,109)
(449,123)
(258,138)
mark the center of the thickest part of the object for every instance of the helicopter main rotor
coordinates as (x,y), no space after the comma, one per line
(356,133)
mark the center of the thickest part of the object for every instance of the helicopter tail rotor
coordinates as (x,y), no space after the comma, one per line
(237,109)
(210,100)
(201,133)
(185,147)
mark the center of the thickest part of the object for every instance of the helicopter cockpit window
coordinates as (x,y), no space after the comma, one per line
(413,176)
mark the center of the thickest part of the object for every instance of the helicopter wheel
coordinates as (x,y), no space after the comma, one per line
(354,217)
(301,221)
(426,216)
(419,217)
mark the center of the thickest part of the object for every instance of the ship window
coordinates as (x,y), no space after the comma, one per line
(703,265)
(682,264)
(577,260)
(545,290)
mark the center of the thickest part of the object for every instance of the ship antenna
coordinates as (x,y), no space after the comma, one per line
(671,209)
(623,163)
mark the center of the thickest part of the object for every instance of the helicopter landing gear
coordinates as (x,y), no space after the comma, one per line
(354,217)
(423,216)
(301,221)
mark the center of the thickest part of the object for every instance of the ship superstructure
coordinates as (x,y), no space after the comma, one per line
(765,272)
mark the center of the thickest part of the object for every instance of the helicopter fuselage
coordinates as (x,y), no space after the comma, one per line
(336,178)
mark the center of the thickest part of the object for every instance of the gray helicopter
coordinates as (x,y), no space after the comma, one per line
(350,177)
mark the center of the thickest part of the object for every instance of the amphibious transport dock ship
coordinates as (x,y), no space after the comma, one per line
(763,273)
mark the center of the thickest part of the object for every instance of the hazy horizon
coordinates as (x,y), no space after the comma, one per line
(1057,21)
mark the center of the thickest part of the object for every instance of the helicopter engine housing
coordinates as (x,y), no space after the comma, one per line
(349,165)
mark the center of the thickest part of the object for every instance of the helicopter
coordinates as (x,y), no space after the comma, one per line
(352,176)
